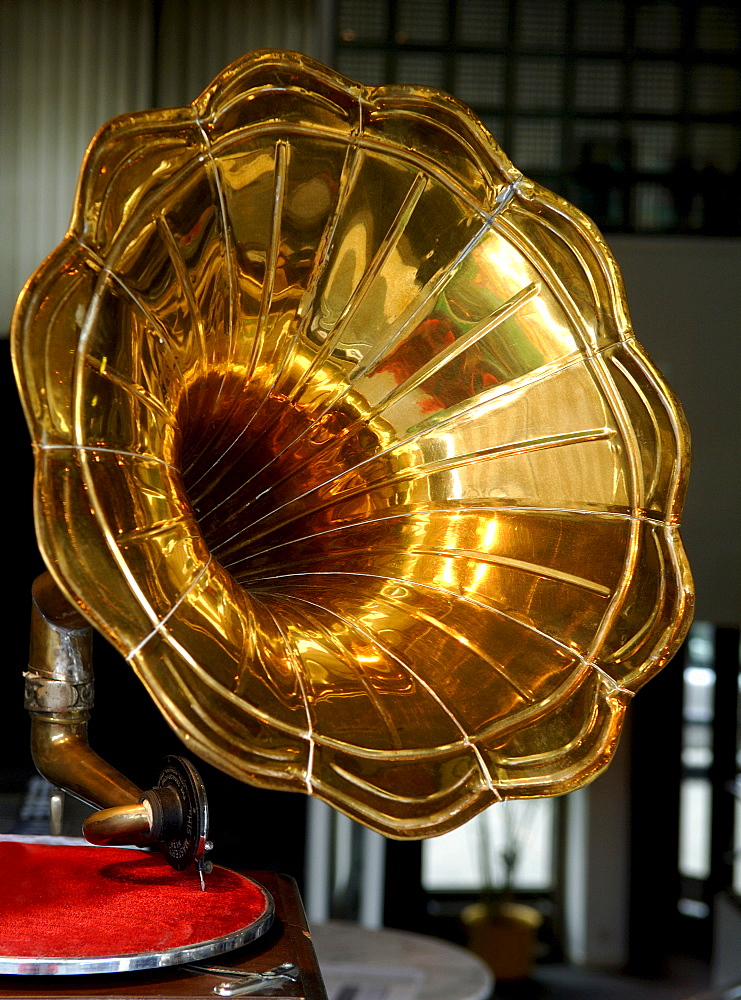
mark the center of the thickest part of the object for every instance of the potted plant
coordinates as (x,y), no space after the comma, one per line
(501,929)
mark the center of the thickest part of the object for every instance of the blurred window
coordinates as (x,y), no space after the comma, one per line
(508,846)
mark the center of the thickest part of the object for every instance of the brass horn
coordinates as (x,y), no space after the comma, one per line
(344,440)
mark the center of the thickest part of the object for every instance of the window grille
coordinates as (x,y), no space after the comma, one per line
(632,111)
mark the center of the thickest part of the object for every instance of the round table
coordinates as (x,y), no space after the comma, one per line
(397,964)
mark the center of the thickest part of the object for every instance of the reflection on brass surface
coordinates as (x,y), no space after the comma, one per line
(119,825)
(344,440)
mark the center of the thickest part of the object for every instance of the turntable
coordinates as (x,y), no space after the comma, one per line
(344,440)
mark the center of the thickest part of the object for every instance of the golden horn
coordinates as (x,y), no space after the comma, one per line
(344,440)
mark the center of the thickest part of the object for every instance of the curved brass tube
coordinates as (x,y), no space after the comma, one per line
(62,754)
(120,825)
(59,696)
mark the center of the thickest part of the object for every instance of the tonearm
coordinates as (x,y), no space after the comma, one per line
(172,816)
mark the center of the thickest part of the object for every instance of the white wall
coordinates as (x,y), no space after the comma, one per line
(597,867)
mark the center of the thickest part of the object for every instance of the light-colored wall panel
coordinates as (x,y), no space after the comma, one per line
(66,66)
(197,40)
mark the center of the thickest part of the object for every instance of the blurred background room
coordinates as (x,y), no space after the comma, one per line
(632,111)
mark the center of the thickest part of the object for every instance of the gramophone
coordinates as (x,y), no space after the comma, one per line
(344,441)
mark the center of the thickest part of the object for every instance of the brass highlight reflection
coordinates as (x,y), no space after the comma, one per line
(344,440)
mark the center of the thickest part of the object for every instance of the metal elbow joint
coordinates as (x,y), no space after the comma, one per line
(59,697)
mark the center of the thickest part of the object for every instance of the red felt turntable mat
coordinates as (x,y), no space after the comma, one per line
(64,902)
